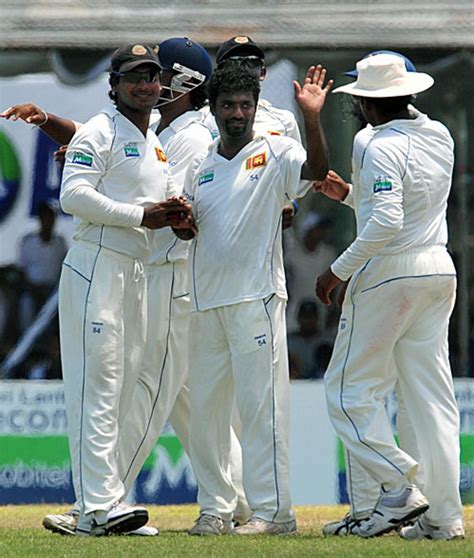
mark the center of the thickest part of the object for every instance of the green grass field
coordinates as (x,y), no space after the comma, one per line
(21,534)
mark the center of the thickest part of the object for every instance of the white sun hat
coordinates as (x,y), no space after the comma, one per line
(385,75)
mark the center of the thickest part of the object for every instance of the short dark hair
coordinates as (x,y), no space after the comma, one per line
(232,79)
(113,80)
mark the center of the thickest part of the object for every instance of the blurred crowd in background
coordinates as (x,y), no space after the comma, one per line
(26,285)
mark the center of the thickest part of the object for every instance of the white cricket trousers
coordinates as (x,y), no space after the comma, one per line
(160,392)
(164,370)
(102,316)
(362,489)
(394,327)
(240,350)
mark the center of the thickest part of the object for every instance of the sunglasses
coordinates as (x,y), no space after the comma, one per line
(249,61)
(150,76)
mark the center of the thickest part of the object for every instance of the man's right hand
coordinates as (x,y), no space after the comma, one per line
(27,112)
(175,212)
(333,186)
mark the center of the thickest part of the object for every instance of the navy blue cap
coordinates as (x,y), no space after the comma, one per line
(408,63)
(239,46)
(187,53)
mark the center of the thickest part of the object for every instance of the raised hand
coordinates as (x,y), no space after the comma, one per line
(312,95)
(28,112)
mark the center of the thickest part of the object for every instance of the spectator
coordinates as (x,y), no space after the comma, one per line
(305,343)
(10,289)
(305,258)
(40,257)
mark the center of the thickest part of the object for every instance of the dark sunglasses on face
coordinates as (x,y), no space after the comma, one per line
(150,76)
(248,61)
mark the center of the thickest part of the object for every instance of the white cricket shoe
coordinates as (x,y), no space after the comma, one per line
(344,526)
(393,509)
(66,524)
(62,523)
(423,530)
(259,526)
(207,524)
(121,518)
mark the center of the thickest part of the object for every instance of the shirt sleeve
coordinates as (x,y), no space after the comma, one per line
(183,149)
(349,199)
(189,187)
(292,159)
(86,164)
(293,130)
(383,175)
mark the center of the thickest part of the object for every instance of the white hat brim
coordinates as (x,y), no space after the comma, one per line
(413,82)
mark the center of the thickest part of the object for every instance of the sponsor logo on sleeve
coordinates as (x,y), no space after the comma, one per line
(205,177)
(79,158)
(382,184)
(131,150)
(161,155)
(274,133)
(256,161)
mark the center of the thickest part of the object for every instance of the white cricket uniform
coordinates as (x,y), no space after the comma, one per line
(238,333)
(112,172)
(268,120)
(161,392)
(362,489)
(394,321)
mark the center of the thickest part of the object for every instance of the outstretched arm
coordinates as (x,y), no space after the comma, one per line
(311,98)
(59,129)
(333,186)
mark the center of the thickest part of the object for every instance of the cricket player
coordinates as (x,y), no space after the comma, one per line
(160,392)
(395,316)
(362,489)
(244,52)
(238,333)
(114,176)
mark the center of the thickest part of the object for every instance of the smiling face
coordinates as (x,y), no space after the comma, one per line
(235,114)
(135,93)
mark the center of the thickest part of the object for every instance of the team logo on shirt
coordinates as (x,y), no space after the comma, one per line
(205,177)
(131,150)
(79,158)
(382,184)
(256,161)
(161,155)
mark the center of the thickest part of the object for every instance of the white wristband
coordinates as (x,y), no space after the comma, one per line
(46,118)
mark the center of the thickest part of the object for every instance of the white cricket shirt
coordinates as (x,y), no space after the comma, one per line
(112,172)
(237,253)
(268,120)
(401,182)
(184,139)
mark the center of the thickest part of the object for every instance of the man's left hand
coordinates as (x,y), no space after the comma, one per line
(325,284)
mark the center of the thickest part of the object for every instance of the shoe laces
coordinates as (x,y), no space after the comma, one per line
(209,519)
(351,522)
